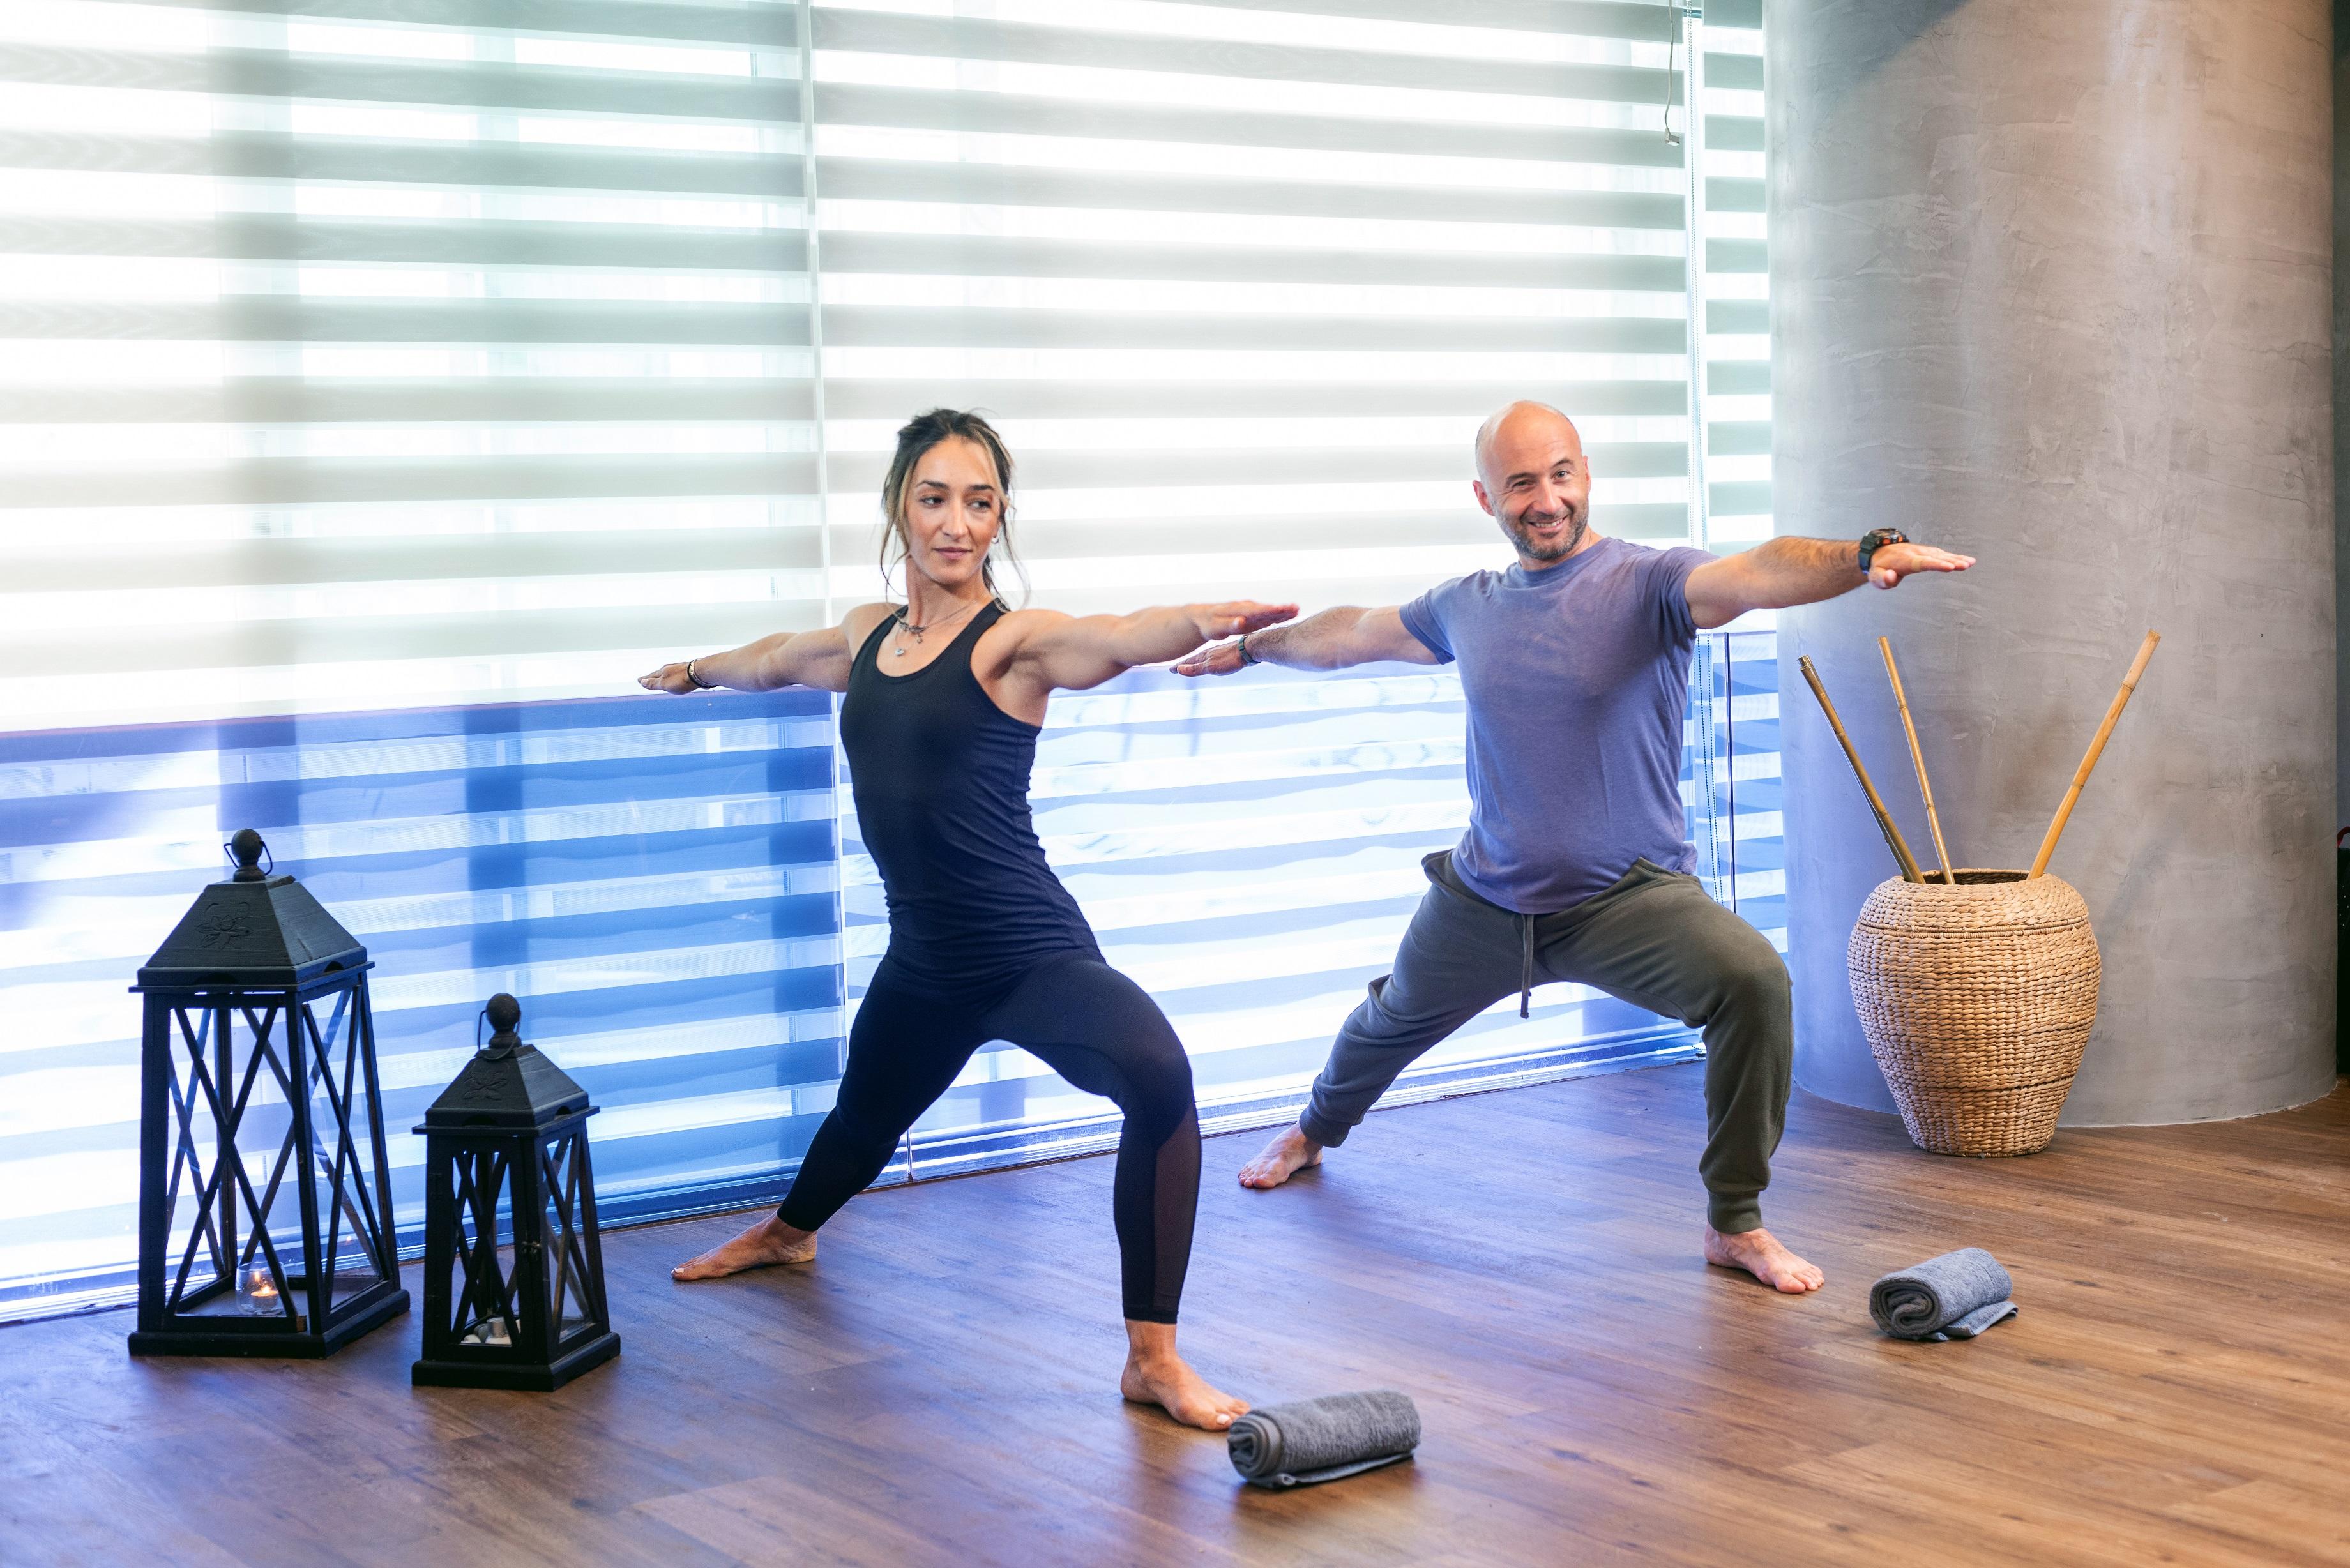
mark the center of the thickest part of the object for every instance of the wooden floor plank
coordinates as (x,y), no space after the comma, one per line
(938,1387)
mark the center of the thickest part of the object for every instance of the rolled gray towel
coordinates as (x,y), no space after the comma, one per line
(1310,1440)
(1955,1296)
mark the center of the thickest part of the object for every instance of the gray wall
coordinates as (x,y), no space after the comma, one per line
(2052,285)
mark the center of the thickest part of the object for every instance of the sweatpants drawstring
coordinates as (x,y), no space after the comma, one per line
(1526,966)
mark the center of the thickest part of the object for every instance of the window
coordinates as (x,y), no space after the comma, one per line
(379,396)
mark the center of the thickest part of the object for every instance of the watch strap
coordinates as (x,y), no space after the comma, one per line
(1876,539)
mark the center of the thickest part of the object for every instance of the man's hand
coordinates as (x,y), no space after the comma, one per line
(1891,563)
(1241,616)
(1333,640)
(672,679)
(1216,658)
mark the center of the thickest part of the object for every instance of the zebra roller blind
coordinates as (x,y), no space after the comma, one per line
(384,383)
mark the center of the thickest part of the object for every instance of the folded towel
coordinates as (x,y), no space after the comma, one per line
(1955,1296)
(1321,1439)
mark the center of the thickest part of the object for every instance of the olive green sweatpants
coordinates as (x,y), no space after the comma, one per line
(1654,939)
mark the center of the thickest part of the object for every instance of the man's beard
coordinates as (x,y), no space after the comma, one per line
(1534,548)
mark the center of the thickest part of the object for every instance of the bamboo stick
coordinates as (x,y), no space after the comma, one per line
(1893,839)
(1918,760)
(2081,774)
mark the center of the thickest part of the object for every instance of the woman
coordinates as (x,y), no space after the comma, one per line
(945,697)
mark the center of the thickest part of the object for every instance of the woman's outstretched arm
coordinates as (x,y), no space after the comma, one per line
(1069,653)
(819,659)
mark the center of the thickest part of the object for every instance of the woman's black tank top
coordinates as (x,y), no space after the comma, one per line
(940,774)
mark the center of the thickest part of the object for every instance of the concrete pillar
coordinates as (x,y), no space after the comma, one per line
(2052,285)
(2341,420)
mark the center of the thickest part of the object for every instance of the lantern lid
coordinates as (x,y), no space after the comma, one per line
(254,929)
(508,1085)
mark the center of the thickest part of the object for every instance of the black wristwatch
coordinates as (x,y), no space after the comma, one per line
(1876,539)
(1247,658)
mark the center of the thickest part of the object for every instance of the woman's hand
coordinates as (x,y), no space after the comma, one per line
(1233,620)
(672,679)
(1237,618)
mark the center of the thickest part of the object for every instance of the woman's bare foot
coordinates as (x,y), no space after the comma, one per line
(1762,1255)
(1282,1158)
(769,1242)
(1156,1374)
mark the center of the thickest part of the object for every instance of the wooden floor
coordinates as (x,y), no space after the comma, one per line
(938,1387)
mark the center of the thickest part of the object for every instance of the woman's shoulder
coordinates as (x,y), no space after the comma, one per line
(1014,627)
(861,621)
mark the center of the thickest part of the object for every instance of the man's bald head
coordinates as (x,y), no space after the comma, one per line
(1533,478)
(1519,419)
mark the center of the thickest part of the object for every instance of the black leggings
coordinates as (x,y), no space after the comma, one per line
(1090,1023)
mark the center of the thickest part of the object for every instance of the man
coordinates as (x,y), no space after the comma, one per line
(1574,666)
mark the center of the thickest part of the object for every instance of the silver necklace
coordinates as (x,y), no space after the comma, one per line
(905,625)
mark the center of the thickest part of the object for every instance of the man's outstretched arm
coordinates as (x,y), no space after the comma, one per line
(1330,641)
(1779,573)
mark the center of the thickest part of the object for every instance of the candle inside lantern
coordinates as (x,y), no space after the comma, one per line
(492,1332)
(264,1289)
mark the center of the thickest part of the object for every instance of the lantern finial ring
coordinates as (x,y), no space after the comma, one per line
(504,1015)
(245,851)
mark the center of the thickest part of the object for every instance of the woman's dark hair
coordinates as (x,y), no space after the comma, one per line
(920,433)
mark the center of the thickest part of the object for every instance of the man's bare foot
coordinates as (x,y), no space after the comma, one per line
(1156,1374)
(1282,1158)
(769,1242)
(1762,1255)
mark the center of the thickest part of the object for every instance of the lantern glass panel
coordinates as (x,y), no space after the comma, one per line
(482,1283)
(232,1197)
(570,1283)
(341,1114)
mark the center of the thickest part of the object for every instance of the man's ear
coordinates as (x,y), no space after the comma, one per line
(1483,500)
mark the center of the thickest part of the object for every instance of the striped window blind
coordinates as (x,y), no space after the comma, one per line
(383,383)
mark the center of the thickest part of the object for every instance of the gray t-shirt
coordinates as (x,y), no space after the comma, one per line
(1576,679)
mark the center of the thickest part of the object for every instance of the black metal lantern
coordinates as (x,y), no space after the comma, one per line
(505,1153)
(259,1108)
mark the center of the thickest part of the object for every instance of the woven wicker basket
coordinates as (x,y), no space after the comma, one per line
(1976,1000)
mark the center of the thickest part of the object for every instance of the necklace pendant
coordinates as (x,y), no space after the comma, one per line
(900,650)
